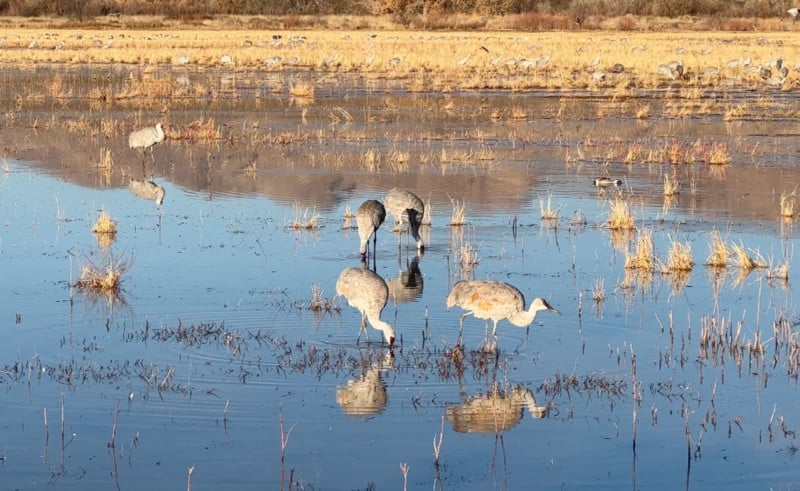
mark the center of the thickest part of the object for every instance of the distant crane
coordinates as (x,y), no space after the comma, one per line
(604,182)
(146,137)
(406,206)
(366,292)
(495,300)
(369,217)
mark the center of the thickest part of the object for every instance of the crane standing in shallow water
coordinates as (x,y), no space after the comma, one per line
(146,137)
(406,206)
(366,292)
(369,217)
(495,300)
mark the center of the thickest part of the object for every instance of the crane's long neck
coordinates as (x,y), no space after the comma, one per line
(523,318)
(383,326)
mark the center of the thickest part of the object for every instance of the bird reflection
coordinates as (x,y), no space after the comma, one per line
(366,395)
(495,411)
(407,286)
(146,190)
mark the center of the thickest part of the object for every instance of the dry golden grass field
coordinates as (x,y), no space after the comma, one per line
(496,58)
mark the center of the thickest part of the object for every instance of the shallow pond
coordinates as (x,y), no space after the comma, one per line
(216,356)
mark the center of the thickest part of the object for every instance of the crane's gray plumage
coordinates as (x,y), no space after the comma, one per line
(366,292)
(495,300)
(406,206)
(369,217)
(146,137)
(147,190)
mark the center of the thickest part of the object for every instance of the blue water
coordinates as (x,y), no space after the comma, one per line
(233,263)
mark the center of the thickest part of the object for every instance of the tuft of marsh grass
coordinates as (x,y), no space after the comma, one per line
(718,254)
(319,304)
(105,224)
(302,89)
(744,261)
(788,204)
(780,272)
(459,217)
(621,216)
(304,218)
(679,258)
(599,290)
(348,218)
(642,257)
(670,185)
(106,162)
(718,155)
(104,277)
(546,209)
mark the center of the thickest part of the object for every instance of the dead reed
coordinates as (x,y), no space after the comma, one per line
(718,254)
(788,204)
(746,262)
(679,258)
(104,277)
(670,185)
(304,218)
(302,89)
(105,224)
(642,257)
(459,217)
(599,290)
(547,213)
(621,217)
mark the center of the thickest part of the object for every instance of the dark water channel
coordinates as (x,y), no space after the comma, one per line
(213,354)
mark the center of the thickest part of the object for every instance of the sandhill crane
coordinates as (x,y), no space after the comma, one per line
(146,137)
(369,217)
(366,292)
(495,300)
(672,70)
(494,412)
(147,190)
(367,395)
(604,182)
(406,206)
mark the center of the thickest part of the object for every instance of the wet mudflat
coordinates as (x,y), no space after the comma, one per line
(227,352)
